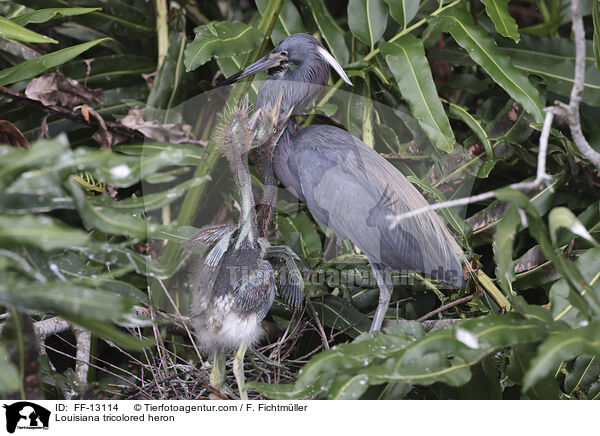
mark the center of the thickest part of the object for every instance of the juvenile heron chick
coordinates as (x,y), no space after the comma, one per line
(234,286)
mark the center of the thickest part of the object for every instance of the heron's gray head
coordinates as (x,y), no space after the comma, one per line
(299,49)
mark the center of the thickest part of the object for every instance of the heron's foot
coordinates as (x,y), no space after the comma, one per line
(238,371)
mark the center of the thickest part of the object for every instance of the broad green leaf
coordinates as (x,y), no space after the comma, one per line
(505,25)
(64,298)
(338,315)
(110,72)
(348,358)
(554,60)
(19,203)
(563,217)
(367,20)
(116,18)
(403,10)
(482,49)
(520,358)
(12,30)
(349,388)
(146,202)
(585,371)
(564,345)
(167,84)
(506,232)
(220,39)
(33,67)
(562,309)
(288,22)
(596,38)
(290,391)
(39,231)
(44,15)
(406,59)
(300,235)
(474,124)
(107,220)
(110,332)
(331,32)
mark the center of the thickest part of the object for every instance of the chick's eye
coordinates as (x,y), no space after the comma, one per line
(284,53)
(274,130)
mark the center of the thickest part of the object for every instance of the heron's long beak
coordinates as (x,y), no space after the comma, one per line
(270,61)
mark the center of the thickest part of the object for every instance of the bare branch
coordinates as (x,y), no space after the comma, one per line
(571,114)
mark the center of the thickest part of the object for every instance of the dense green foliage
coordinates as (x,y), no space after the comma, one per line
(92,219)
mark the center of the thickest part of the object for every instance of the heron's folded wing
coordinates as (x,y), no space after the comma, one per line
(352,189)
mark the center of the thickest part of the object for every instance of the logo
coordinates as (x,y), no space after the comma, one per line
(26,415)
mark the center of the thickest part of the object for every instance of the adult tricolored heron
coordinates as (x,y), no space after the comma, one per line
(233,287)
(347,185)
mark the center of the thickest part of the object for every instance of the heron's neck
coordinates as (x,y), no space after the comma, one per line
(244,184)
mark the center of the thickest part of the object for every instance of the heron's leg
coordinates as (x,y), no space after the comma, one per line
(384,282)
(238,371)
(217,375)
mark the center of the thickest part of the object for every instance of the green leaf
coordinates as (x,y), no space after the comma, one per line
(107,220)
(596,38)
(563,217)
(506,232)
(288,22)
(506,25)
(110,332)
(39,231)
(553,59)
(367,20)
(9,375)
(349,388)
(585,371)
(110,72)
(299,233)
(33,67)
(403,10)
(406,59)
(482,49)
(11,30)
(560,292)
(65,299)
(562,346)
(474,124)
(44,15)
(146,202)
(331,32)
(337,314)
(220,39)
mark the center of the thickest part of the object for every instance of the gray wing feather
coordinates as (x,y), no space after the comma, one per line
(290,281)
(255,292)
(351,188)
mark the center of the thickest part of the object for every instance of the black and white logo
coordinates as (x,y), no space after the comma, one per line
(26,415)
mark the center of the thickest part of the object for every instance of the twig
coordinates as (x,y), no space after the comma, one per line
(446,306)
(319,325)
(569,112)
(67,113)
(82,356)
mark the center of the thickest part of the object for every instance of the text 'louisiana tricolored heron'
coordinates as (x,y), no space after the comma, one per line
(347,185)
(233,287)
